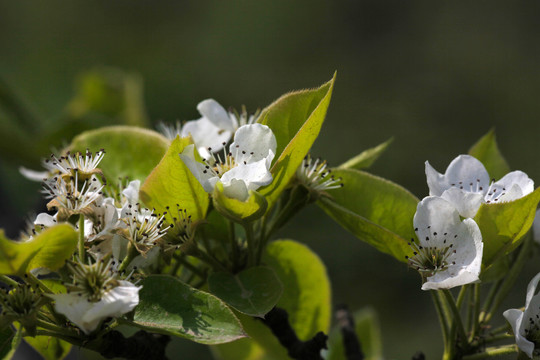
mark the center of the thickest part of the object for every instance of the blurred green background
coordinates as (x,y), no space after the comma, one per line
(435,75)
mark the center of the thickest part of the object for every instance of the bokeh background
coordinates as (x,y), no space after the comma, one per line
(434,75)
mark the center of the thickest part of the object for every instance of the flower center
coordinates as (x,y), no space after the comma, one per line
(532,332)
(429,260)
(473,186)
(316,176)
(20,301)
(92,281)
(218,164)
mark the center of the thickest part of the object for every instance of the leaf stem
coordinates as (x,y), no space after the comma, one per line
(8,281)
(442,317)
(492,352)
(234,245)
(81,250)
(475,324)
(250,244)
(457,323)
(510,278)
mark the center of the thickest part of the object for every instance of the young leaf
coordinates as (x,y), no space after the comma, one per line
(6,337)
(374,209)
(170,307)
(171,183)
(369,335)
(306,297)
(131,151)
(367,157)
(296,119)
(49,347)
(503,225)
(11,346)
(254,291)
(487,151)
(49,249)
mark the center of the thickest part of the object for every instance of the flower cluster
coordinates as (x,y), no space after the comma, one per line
(449,250)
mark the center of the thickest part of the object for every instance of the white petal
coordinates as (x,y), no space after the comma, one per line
(435,214)
(198,169)
(515,319)
(114,303)
(141,262)
(467,258)
(531,289)
(253,142)
(131,192)
(513,185)
(33,175)
(45,220)
(254,174)
(466,203)
(74,307)
(236,189)
(206,134)
(464,172)
(214,112)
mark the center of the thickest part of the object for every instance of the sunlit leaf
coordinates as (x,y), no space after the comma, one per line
(171,183)
(503,225)
(237,210)
(254,291)
(170,307)
(367,157)
(49,347)
(374,209)
(131,152)
(49,249)
(306,297)
(487,151)
(296,119)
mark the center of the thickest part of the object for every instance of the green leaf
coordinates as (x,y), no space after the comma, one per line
(487,151)
(254,291)
(171,183)
(369,334)
(296,119)
(367,157)
(170,307)
(49,347)
(503,225)
(49,249)
(237,210)
(111,93)
(374,209)
(6,338)
(130,151)
(306,297)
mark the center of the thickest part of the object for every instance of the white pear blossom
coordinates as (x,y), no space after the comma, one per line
(95,295)
(244,167)
(448,251)
(213,129)
(526,324)
(466,184)
(64,165)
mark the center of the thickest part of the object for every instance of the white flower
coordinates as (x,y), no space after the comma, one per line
(448,252)
(103,220)
(64,165)
(244,167)
(88,315)
(526,324)
(68,196)
(95,295)
(466,184)
(214,129)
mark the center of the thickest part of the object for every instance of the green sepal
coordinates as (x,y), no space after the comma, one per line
(237,210)
(367,157)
